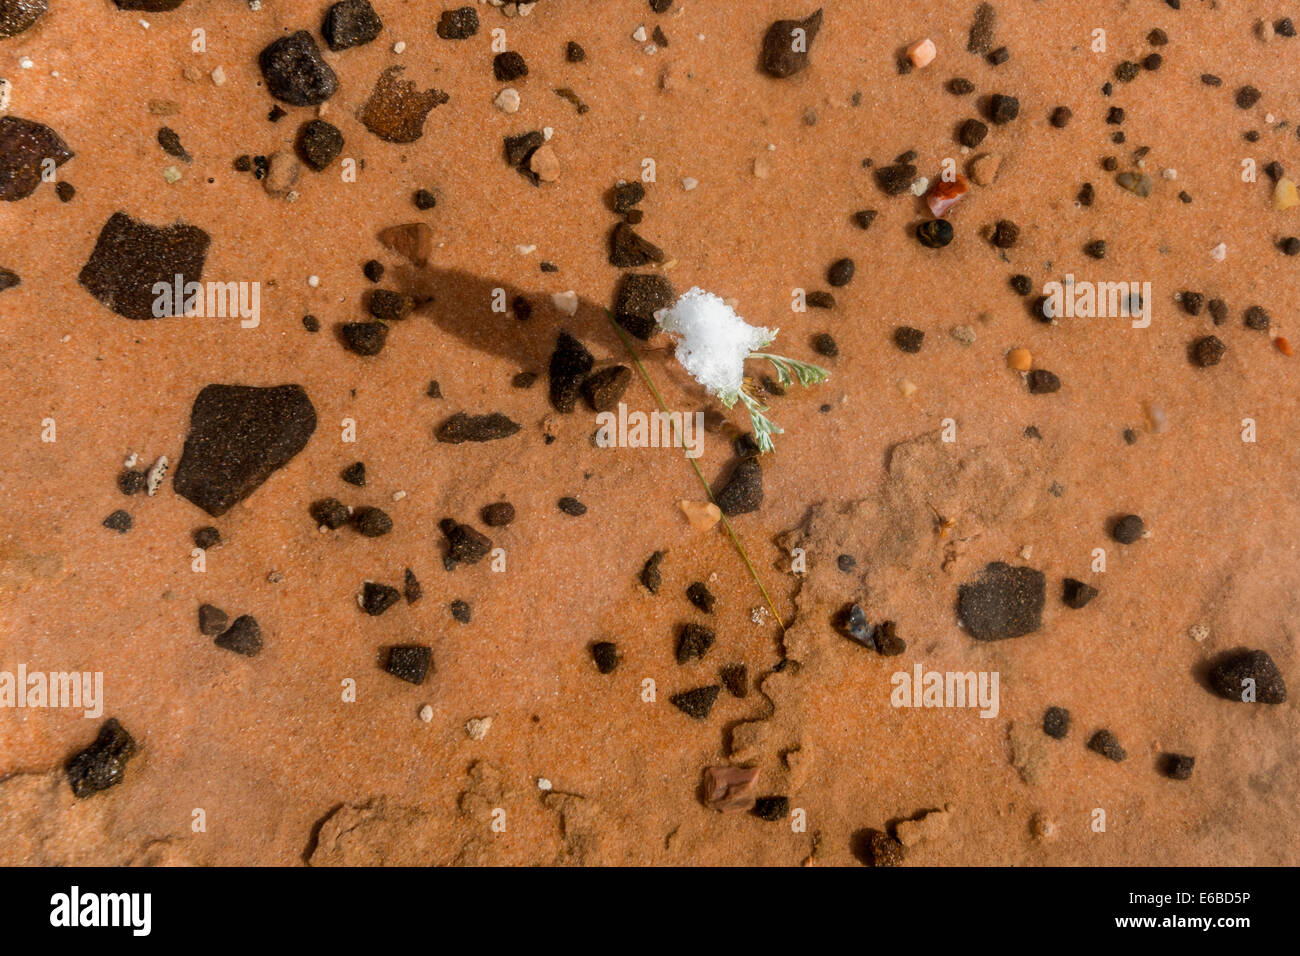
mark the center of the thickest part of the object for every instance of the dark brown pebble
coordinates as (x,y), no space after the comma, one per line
(103,764)
(700,595)
(350,23)
(212,620)
(295,72)
(411,589)
(498,514)
(372,522)
(377,598)
(461,611)
(1234,677)
(409,662)
(1096,249)
(390,306)
(771,809)
(960,86)
(1061,117)
(1193,302)
(465,545)
(130,257)
(1157,37)
(1005,234)
(1218,311)
(846,562)
(934,233)
(895,179)
(628,250)
(364,338)
(463,427)
(651,577)
(1086,194)
(373,270)
(604,389)
(244,636)
(397,109)
(785,51)
(311,323)
(661,6)
(1275,170)
(1115,116)
(863,218)
(1107,744)
(1127,71)
(625,196)
(885,851)
(171,144)
(9,279)
(518,148)
(743,491)
(697,703)
(1177,766)
(820,299)
(840,273)
(735,677)
(523,380)
(1208,351)
(130,481)
(824,344)
(458,24)
(508,66)
(908,339)
(119,521)
(433,390)
(571,361)
(888,643)
(572,507)
(1003,602)
(1042,382)
(1152,61)
(330,512)
(640,296)
(971,133)
(1076,594)
(424,200)
(693,642)
(1056,722)
(1209,79)
(354,474)
(26,147)
(17,16)
(1284,27)
(206,537)
(980,38)
(1127,529)
(1256,318)
(522,308)
(1021,284)
(319,143)
(605,656)
(1003,108)
(1247,97)
(1110,164)
(1290,246)
(574,53)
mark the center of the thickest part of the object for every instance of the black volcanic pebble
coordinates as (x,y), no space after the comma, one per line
(26,147)
(319,143)
(458,24)
(1076,594)
(1257,318)
(390,306)
(119,521)
(934,233)
(1096,249)
(373,270)
(465,545)
(743,491)
(206,537)
(330,512)
(1005,234)
(693,642)
(1208,351)
(863,218)
(1284,27)
(498,514)
(411,589)
(1042,382)
(463,427)
(131,481)
(1218,311)
(508,66)
(372,522)
(1192,302)
(572,507)
(785,52)
(295,72)
(605,388)
(354,474)
(1247,97)
(1107,744)
(1022,284)
(1056,722)
(103,763)
(311,323)
(239,435)
(824,344)
(409,662)
(605,655)
(574,53)
(627,250)
(570,363)
(1061,117)
(170,142)
(1230,674)
(700,595)
(735,677)
(1290,246)
(639,297)
(1177,766)
(625,196)
(771,808)
(9,279)
(131,256)
(908,339)
(820,300)
(959,86)
(460,611)
(840,273)
(894,180)
(377,598)
(1127,528)
(212,620)
(350,23)
(697,703)
(243,637)
(851,621)
(651,577)
(1003,108)
(364,338)
(1004,602)
(424,200)
(971,133)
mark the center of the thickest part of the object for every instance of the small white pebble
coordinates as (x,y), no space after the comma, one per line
(426,714)
(566,302)
(66,338)
(313,281)
(525,250)
(543,784)
(153,478)
(476,728)
(6,91)
(399,46)
(1170,174)
(920,186)
(131,460)
(547,133)
(1219,252)
(171,174)
(640,35)
(1026,551)
(690,183)
(218,76)
(26,63)
(508,100)
(399,495)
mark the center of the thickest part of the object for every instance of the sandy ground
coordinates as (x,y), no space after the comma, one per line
(285,770)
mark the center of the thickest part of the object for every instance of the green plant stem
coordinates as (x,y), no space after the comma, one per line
(735,539)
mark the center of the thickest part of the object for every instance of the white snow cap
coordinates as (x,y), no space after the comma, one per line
(712,340)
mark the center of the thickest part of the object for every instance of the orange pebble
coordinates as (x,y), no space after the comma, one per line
(1283,345)
(1020,360)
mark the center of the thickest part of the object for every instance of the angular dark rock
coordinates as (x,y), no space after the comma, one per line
(330,512)
(319,143)
(1004,602)
(463,427)
(651,576)
(364,338)
(894,180)
(372,522)
(295,72)
(212,620)
(411,589)
(605,388)
(1108,745)
(693,642)
(735,677)
(1076,594)
(625,196)
(851,621)
(1177,766)
(787,43)
(239,435)
(390,306)
(377,598)
(627,250)
(1232,677)
(103,763)
(119,521)
(409,662)
(397,108)
(458,24)
(130,257)
(700,595)
(243,637)
(354,474)
(17,15)
(605,654)
(509,66)
(465,545)
(570,363)
(640,296)
(9,279)
(743,491)
(697,703)
(350,23)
